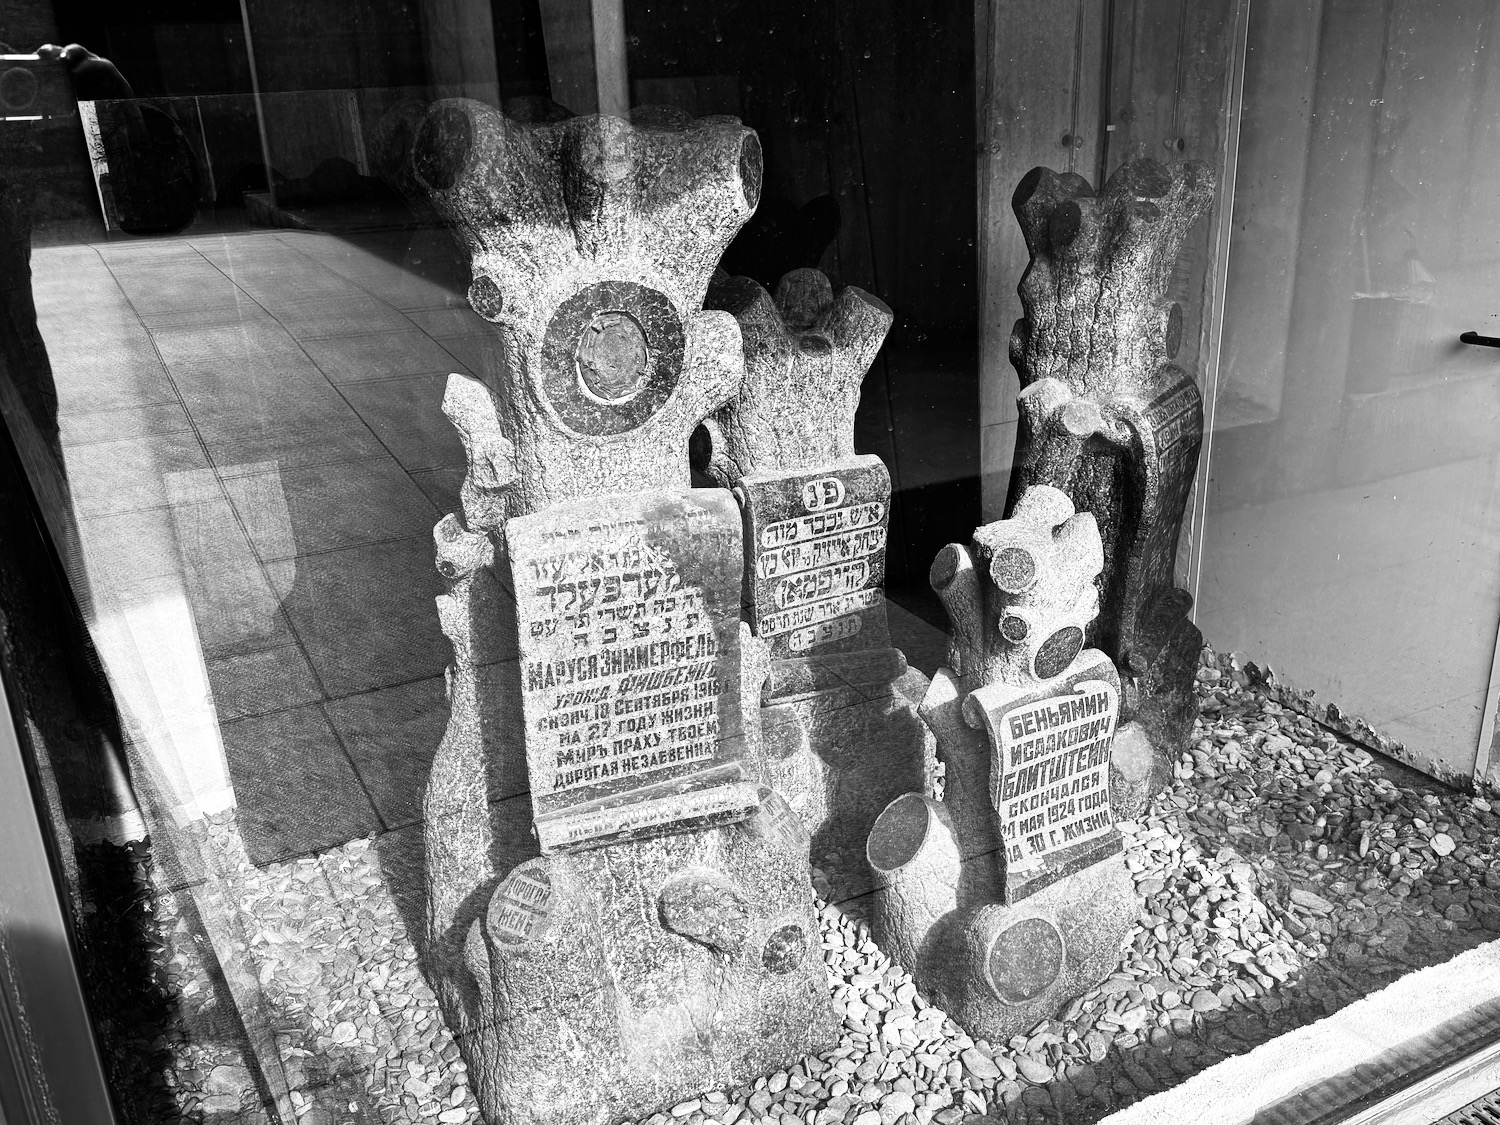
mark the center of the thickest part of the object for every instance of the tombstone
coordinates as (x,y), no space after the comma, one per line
(1009,896)
(839,724)
(1109,419)
(620,914)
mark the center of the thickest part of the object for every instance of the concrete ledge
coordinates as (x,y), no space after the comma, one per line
(1419,1016)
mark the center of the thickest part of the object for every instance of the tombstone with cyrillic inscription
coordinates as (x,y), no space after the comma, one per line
(629,614)
(1009,896)
(840,731)
(612,882)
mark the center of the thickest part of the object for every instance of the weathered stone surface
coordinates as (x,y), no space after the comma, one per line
(664,967)
(1108,418)
(628,607)
(1011,896)
(806,352)
(655,950)
(841,736)
(592,240)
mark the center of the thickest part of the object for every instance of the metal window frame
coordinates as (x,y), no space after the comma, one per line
(50,1072)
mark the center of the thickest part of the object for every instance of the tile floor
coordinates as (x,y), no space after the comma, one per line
(251,424)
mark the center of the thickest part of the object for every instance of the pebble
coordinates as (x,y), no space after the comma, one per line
(1281,879)
(1033,1070)
(980,1065)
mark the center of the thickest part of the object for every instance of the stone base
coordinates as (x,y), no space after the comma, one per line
(841,741)
(1162,697)
(609,984)
(998,970)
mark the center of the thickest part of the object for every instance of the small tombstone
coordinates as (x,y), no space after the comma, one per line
(1011,895)
(839,719)
(664,941)
(1107,417)
(628,608)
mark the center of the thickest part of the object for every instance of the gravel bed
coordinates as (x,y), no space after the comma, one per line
(1282,876)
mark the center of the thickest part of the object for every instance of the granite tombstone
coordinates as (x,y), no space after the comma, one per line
(614,890)
(1106,416)
(839,723)
(1009,896)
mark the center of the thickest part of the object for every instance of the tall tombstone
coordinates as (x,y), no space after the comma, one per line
(1106,416)
(1009,897)
(620,914)
(838,710)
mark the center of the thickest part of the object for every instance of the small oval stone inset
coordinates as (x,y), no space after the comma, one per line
(898,833)
(1014,570)
(1058,651)
(784,950)
(485,298)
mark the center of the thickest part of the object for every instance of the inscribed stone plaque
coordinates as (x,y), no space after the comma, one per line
(1050,774)
(628,608)
(815,544)
(521,904)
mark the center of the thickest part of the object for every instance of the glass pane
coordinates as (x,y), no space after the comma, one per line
(230,316)
(1353,515)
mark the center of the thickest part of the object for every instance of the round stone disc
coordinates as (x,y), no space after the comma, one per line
(1024,960)
(1057,652)
(611,357)
(898,833)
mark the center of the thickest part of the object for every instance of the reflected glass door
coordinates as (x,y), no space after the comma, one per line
(1353,531)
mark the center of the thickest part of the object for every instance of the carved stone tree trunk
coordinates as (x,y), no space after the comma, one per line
(1011,897)
(840,729)
(1109,419)
(620,915)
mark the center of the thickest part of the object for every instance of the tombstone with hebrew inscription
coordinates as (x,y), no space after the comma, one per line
(1008,897)
(614,889)
(1107,417)
(839,722)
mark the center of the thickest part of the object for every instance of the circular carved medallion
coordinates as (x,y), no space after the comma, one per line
(613,360)
(611,357)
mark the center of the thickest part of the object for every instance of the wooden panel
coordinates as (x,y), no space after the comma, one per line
(586,63)
(568,32)
(1274,134)
(1038,88)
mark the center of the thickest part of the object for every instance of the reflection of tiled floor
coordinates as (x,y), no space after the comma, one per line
(253,424)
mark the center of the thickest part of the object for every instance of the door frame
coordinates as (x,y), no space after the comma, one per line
(50,1071)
